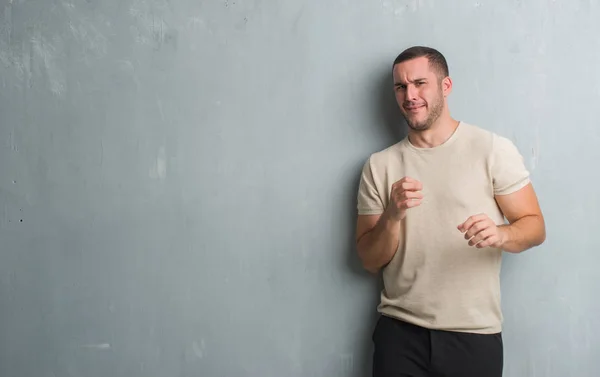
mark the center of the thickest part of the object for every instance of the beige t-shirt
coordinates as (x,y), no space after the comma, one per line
(435,279)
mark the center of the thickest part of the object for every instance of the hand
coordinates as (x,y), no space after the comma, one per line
(405,194)
(482,232)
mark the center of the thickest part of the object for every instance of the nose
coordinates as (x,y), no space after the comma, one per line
(411,92)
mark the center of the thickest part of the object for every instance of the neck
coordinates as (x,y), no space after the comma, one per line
(437,134)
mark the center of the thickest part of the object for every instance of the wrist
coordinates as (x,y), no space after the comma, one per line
(390,221)
(504,234)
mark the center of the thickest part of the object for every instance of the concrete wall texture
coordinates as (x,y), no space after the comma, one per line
(178,178)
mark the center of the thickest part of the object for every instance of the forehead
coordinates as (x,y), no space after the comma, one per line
(413,69)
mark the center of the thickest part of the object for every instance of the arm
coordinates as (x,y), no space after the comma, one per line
(378,223)
(378,236)
(377,239)
(526,228)
(517,201)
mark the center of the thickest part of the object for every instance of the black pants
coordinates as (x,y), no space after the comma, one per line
(406,350)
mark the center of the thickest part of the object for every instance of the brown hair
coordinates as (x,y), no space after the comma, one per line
(435,58)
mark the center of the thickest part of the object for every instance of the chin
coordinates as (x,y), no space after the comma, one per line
(419,126)
(416,125)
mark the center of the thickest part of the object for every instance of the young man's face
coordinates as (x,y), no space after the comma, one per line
(419,92)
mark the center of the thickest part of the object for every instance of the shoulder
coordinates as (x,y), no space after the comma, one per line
(379,164)
(476,135)
(485,141)
(372,192)
(383,158)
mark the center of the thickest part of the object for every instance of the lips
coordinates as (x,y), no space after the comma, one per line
(413,107)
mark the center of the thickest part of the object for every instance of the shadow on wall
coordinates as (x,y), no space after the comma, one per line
(386,111)
(389,127)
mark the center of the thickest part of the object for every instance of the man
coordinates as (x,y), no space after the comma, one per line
(431,215)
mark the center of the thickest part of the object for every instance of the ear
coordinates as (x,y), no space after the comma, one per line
(446,85)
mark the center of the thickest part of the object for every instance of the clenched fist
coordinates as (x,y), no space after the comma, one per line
(405,194)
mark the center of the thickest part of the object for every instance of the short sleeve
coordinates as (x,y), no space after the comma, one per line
(508,169)
(369,200)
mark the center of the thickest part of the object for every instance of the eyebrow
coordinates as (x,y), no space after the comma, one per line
(415,80)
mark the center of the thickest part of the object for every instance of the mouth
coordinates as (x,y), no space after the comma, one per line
(413,108)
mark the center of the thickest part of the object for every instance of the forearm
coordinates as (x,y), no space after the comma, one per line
(377,247)
(523,234)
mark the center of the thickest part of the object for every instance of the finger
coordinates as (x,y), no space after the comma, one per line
(407,179)
(399,182)
(470,221)
(410,203)
(477,227)
(481,236)
(402,203)
(411,186)
(488,242)
(407,183)
(400,195)
(411,195)
(403,185)
(464,227)
(482,244)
